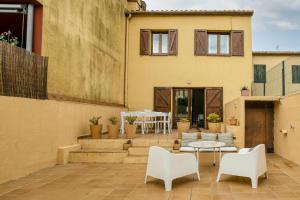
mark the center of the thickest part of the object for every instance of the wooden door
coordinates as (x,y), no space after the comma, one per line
(162,99)
(259,123)
(214,101)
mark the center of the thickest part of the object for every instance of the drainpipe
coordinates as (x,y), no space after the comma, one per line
(29,37)
(125,100)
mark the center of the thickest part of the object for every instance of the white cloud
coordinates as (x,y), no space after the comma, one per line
(268,14)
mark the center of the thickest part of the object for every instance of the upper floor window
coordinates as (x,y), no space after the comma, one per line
(160,43)
(295,73)
(218,43)
(260,74)
(153,42)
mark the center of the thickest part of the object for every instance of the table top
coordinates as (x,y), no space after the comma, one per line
(206,144)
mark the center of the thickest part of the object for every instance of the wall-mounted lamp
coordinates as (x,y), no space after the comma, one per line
(284,132)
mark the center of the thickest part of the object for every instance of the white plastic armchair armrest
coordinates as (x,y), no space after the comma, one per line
(244,150)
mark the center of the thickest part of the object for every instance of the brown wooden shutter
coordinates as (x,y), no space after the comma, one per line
(237,43)
(214,101)
(162,99)
(145,42)
(201,43)
(173,42)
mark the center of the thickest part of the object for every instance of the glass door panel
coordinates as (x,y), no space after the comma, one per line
(182,104)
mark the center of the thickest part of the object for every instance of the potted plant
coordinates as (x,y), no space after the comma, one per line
(130,128)
(183,126)
(233,121)
(9,38)
(127,145)
(113,128)
(176,145)
(96,128)
(245,91)
(214,124)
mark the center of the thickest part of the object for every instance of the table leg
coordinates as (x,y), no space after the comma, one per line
(198,158)
(220,155)
(164,124)
(143,126)
(122,125)
(214,164)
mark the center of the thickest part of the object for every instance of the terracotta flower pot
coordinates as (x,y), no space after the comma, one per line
(130,131)
(126,146)
(214,127)
(245,92)
(176,146)
(113,131)
(182,127)
(96,131)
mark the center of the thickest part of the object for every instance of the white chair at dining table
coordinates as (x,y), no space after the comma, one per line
(168,123)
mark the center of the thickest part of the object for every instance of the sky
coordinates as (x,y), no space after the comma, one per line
(276,23)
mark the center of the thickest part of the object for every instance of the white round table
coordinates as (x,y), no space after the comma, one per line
(207,145)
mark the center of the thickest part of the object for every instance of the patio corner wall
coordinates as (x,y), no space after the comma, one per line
(32,130)
(286,115)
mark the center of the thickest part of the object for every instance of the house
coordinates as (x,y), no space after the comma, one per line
(110,56)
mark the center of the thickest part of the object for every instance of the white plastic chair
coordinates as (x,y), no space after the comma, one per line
(168,166)
(168,122)
(247,163)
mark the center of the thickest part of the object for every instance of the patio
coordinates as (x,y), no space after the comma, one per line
(125,181)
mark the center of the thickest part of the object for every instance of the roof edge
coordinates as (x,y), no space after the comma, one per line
(276,53)
(194,12)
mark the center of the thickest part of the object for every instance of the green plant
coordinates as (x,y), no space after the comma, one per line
(214,118)
(184,120)
(95,120)
(245,88)
(9,38)
(113,120)
(131,119)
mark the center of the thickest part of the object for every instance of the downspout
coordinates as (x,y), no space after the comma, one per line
(125,95)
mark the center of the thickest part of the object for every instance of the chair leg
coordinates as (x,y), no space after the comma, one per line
(254,182)
(146,179)
(219,176)
(198,175)
(168,185)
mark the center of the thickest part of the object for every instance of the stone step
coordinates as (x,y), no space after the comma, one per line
(97,156)
(102,143)
(136,160)
(152,142)
(142,151)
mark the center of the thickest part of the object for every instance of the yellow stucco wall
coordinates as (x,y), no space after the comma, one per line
(85,43)
(286,114)
(147,72)
(32,130)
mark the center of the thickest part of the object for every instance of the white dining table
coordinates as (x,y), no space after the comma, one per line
(144,115)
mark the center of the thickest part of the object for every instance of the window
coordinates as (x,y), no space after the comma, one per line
(295,73)
(259,73)
(160,43)
(218,44)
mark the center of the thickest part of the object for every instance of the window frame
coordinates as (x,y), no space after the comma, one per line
(265,78)
(160,32)
(297,81)
(219,43)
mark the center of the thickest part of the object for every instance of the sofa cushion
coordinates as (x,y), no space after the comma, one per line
(227,138)
(209,136)
(188,138)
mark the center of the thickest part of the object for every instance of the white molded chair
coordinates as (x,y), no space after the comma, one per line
(247,163)
(168,166)
(168,122)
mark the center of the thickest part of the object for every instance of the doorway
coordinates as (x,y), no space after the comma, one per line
(189,103)
(259,124)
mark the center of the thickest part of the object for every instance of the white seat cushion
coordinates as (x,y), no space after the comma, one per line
(223,149)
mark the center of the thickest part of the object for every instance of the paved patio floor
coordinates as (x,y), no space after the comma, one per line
(125,181)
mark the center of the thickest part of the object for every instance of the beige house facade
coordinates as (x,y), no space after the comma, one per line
(110,56)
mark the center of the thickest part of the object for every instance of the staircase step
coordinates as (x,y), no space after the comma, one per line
(143,151)
(102,143)
(135,160)
(97,156)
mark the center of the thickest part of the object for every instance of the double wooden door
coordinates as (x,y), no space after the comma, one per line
(182,101)
(259,124)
